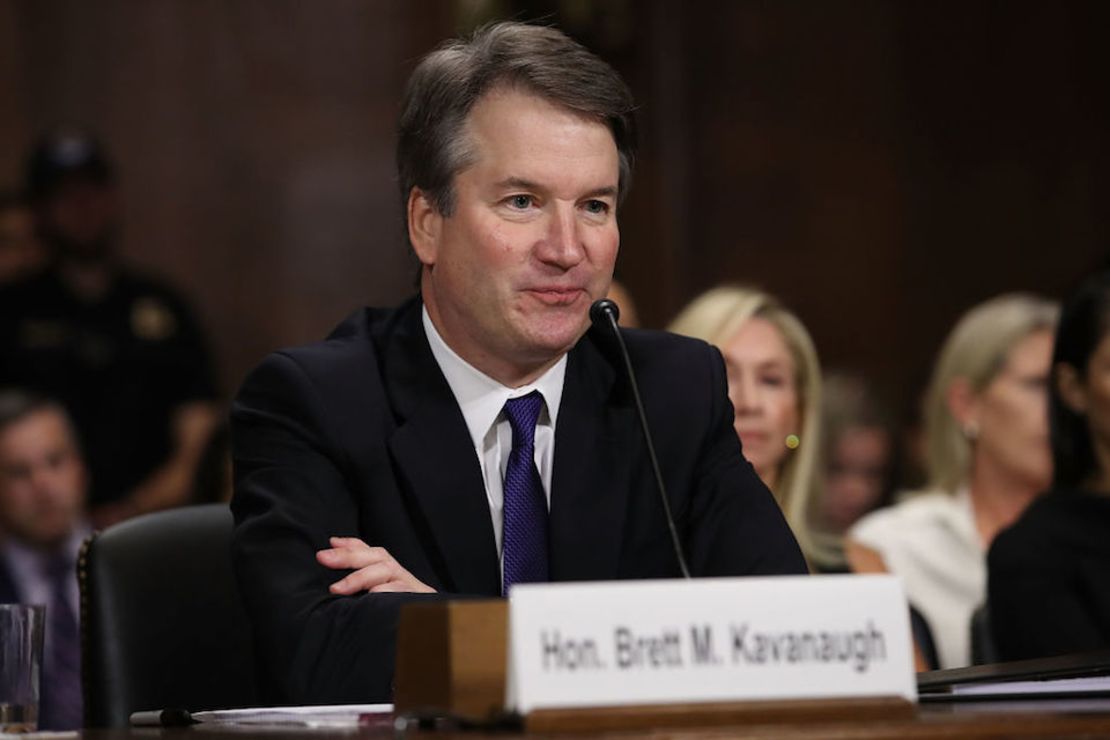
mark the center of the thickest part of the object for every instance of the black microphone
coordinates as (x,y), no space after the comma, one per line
(604,312)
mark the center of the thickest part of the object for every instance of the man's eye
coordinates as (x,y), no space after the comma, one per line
(520,202)
(597,206)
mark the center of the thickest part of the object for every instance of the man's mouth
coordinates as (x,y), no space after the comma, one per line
(557,296)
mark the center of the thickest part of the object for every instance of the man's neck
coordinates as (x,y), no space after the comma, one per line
(507,373)
(43,549)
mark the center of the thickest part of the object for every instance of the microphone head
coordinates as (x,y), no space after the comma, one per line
(601,308)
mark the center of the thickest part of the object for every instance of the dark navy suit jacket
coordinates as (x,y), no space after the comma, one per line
(360,435)
(8,593)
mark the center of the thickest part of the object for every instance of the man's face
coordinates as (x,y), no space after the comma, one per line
(532,239)
(20,250)
(42,479)
(80,217)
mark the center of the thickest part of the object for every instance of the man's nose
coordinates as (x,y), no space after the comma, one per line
(43,480)
(562,245)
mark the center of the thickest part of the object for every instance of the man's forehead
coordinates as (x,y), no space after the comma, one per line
(511,103)
(46,424)
(525,133)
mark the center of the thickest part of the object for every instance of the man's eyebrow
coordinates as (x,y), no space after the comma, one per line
(520,183)
(517,182)
(609,191)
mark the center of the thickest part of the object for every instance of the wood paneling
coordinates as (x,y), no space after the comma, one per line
(880,165)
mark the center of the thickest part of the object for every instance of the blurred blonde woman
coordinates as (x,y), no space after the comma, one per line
(774,382)
(987,457)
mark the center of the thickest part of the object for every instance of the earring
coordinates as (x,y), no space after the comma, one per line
(792,441)
(971,431)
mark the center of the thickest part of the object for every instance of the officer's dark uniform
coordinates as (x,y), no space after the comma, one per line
(121,365)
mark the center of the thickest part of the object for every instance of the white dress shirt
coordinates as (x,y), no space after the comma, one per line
(28,569)
(482,400)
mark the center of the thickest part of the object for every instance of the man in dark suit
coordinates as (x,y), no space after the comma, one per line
(478,436)
(42,525)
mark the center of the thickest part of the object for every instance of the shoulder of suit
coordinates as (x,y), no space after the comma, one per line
(661,346)
(359,336)
(1060,520)
(339,363)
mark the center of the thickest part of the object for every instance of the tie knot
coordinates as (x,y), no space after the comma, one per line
(523,413)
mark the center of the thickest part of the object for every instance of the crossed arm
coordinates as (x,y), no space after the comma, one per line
(374,569)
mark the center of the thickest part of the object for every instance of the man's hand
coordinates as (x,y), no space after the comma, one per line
(374,568)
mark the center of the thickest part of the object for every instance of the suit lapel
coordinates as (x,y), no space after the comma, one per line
(590,480)
(433,452)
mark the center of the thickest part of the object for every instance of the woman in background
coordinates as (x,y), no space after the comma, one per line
(858,458)
(21,250)
(987,457)
(1048,582)
(774,382)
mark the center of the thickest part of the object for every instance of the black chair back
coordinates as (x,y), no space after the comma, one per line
(923,638)
(162,625)
(983,649)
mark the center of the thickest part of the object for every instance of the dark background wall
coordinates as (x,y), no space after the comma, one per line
(880,165)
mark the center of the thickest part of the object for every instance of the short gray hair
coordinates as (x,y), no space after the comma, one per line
(431,143)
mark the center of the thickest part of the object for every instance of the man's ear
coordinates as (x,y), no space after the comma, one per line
(425,225)
(963,404)
(1070,388)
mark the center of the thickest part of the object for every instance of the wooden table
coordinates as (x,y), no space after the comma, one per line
(1089,718)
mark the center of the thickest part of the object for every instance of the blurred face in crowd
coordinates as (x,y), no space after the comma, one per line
(855,474)
(80,217)
(510,275)
(42,479)
(1011,414)
(763,386)
(20,251)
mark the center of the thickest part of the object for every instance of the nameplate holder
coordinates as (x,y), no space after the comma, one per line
(825,641)
(451,659)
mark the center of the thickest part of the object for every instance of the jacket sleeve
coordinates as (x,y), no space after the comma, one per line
(1038,602)
(291,495)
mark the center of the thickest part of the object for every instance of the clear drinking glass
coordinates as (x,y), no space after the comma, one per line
(21,634)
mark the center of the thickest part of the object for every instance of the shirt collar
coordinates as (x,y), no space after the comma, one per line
(479,396)
(26,559)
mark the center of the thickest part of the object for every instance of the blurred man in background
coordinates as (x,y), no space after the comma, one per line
(42,496)
(121,351)
(21,252)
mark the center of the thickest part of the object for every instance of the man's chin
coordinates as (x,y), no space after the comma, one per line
(557,337)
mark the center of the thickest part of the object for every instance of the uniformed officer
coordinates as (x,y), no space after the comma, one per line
(120,350)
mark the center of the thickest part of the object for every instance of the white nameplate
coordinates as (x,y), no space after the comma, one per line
(707,640)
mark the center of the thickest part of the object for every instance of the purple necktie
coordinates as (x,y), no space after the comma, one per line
(524,547)
(61,691)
